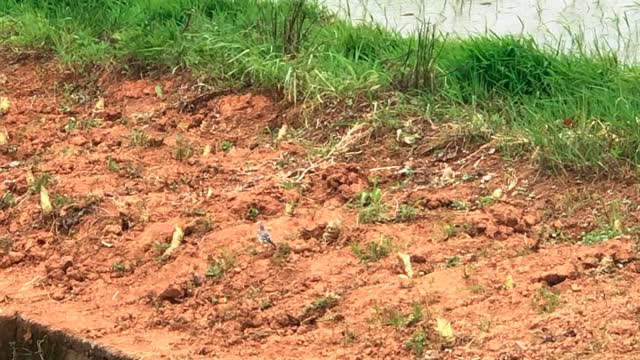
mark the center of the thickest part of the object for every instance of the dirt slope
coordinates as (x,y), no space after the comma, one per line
(122,160)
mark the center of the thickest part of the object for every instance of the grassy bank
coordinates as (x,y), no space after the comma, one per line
(575,112)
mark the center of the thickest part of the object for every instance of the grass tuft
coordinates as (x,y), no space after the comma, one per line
(219,266)
(373,252)
(573,111)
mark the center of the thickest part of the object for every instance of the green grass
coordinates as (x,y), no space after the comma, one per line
(406,212)
(7,200)
(391,316)
(320,304)
(608,225)
(417,343)
(118,267)
(572,111)
(546,300)
(374,251)
(372,208)
(219,266)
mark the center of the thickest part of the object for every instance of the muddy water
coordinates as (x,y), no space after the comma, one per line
(569,24)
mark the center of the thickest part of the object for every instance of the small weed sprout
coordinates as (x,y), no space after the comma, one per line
(417,343)
(183,149)
(160,247)
(219,266)
(393,317)
(158,91)
(59,200)
(71,125)
(348,337)
(265,303)
(452,261)
(253,213)
(319,305)
(42,180)
(608,228)
(484,326)
(459,205)
(476,289)
(7,200)
(371,207)
(118,267)
(469,177)
(450,230)
(406,212)
(138,138)
(226,146)
(288,185)
(374,250)
(112,165)
(282,254)
(133,171)
(89,123)
(546,300)
(12,149)
(416,314)
(485,201)
(192,212)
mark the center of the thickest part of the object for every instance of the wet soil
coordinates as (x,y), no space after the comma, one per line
(497,248)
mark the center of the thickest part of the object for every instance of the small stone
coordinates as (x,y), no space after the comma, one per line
(15,257)
(559,274)
(284,320)
(112,114)
(59,263)
(520,228)
(5,262)
(250,323)
(37,253)
(506,215)
(75,274)
(418,259)
(619,250)
(66,262)
(622,327)
(58,295)
(433,204)
(530,220)
(113,229)
(78,140)
(172,294)
(570,333)
(57,274)
(576,288)
(305,329)
(92,276)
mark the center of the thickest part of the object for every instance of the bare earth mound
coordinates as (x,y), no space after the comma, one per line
(520,265)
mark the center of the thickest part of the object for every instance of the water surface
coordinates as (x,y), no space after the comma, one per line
(590,25)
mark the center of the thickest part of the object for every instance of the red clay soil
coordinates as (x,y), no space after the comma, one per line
(122,176)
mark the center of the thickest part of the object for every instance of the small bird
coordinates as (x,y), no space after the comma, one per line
(264,237)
